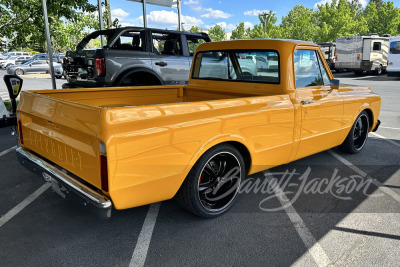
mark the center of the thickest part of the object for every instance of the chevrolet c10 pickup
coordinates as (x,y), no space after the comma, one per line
(249,105)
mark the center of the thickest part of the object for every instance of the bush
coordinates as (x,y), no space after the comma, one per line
(8,104)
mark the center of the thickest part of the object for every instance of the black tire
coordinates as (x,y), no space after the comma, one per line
(358,135)
(378,71)
(19,72)
(211,187)
(58,76)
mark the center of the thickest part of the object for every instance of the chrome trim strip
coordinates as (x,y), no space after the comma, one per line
(100,200)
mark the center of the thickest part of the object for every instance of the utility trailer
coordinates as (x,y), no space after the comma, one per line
(362,53)
(329,50)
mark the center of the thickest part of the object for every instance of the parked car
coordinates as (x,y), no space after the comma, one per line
(133,56)
(11,61)
(18,53)
(57,57)
(362,53)
(35,66)
(130,146)
(393,68)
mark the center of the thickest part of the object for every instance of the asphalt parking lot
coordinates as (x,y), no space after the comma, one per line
(302,222)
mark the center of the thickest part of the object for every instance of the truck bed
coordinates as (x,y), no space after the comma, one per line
(138,96)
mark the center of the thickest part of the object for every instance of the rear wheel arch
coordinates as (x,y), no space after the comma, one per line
(138,76)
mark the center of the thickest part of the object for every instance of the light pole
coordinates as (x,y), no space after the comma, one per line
(264,16)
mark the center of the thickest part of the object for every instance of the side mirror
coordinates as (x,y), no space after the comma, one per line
(335,83)
(14,86)
(30,65)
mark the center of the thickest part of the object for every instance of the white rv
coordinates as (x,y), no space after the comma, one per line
(362,53)
(393,67)
(329,52)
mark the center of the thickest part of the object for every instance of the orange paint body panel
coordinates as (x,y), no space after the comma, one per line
(154,135)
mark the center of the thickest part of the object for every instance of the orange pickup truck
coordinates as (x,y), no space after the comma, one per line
(249,105)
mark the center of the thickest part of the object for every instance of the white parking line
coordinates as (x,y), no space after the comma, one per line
(14,211)
(386,139)
(142,246)
(313,247)
(380,186)
(8,150)
(384,127)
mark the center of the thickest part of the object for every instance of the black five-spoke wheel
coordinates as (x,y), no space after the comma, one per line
(357,136)
(212,185)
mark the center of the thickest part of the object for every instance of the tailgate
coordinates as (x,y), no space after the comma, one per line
(62,132)
(81,65)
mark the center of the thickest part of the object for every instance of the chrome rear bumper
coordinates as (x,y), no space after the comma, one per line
(64,184)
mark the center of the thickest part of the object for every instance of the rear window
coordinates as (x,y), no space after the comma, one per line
(377,46)
(260,66)
(395,47)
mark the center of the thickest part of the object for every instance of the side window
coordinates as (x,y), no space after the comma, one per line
(36,62)
(306,68)
(395,47)
(325,76)
(193,42)
(167,44)
(377,46)
(131,40)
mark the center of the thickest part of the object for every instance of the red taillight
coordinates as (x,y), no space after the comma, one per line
(358,56)
(336,57)
(104,173)
(100,67)
(21,138)
(64,60)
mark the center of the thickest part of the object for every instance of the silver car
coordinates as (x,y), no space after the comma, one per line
(35,66)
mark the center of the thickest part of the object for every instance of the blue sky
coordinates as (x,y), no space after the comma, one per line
(206,13)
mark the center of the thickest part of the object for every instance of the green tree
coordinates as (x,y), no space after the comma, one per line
(195,29)
(378,3)
(385,19)
(22,20)
(217,33)
(267,23)
(300,24)
(240,32)
(339,18)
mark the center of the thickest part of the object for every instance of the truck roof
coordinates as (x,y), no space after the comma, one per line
(254,44)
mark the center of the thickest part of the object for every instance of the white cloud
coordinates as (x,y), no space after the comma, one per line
(127,24)
(215,14)
(254,12)
(191,2)
(248,25)
(323,2)
(165,18)
(226,26)
(119,13)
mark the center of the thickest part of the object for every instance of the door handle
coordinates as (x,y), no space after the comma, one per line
(305,102)
(161,64)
